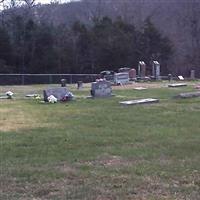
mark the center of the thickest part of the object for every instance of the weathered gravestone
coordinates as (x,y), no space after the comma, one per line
(121,78)
(141,69)
(156,70)
(60,93)
(63,82)
(192,74)
(101,88)
(132,74)
(139,101)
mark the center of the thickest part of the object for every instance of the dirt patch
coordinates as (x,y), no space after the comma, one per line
(108,161)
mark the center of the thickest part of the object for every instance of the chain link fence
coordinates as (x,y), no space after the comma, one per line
(26,79)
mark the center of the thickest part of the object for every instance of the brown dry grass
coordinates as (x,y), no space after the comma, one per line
(13,117)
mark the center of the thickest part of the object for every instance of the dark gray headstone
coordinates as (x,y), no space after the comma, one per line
(101,89)
(156,70)
(141,69)
(63,82)
(59,93)
(192,74)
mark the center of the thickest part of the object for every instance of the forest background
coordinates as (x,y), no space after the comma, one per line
(89,36)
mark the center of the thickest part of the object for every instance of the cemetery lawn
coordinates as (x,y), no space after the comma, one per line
(98,149)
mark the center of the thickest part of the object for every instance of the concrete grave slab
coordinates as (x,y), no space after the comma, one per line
(177,85)
(188,95)
(139,101)
(32,95)
(140,88)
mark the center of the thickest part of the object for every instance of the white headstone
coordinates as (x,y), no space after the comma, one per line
(121,78)
(181,78)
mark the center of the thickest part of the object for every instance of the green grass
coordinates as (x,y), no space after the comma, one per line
(99,149)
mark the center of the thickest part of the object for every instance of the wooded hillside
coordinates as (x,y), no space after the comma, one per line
(92,35)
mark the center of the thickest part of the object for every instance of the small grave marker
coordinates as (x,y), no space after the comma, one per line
(181,78)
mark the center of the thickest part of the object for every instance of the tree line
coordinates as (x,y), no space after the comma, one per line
(28,45)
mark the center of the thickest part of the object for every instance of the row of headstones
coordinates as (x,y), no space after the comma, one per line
(155,70)
(102,88)
(124,76)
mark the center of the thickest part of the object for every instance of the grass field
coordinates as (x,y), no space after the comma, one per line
(98,149)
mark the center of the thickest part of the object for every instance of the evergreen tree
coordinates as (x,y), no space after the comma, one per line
(153,46)
(5,51)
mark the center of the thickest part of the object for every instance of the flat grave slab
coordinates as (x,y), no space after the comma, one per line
(139,101)
(177,85)
(32,95)
(188,95)
(140,88)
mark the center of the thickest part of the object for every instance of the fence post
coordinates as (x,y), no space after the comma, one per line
(22,80)
(70,79)
(50,79)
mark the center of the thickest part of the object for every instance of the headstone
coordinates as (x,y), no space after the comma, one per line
(177,85)
(170,77)
(192,74)
(156,70)
(60,93)
(139,101)
(107,75)
(101,88)
(123,69)
(188,95)
(141,69)
(181,78)
(63,82)
(132,74)
(79,85)
(121,78)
